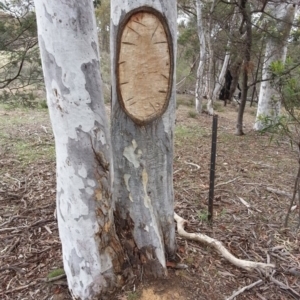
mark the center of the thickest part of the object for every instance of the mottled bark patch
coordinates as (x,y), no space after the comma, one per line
(52,70)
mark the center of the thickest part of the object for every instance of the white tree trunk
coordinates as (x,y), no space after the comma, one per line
(143,112)
(92,254)
(201,66)
(208,86)
(268,103)
(221,78)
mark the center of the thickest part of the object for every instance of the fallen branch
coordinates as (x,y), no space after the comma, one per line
(244,264)
(279,192)
(285,287)
(19,288)
(248,287)
(55,278)
(248,206)
(222,183)
(37,223)
(192,164)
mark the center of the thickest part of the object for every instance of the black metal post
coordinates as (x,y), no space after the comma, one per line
(212,167)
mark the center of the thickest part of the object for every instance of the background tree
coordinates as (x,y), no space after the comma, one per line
(276,49)
(246,27)
(20,66)
(285,82)
(187,53)
(103,22)
(199,89)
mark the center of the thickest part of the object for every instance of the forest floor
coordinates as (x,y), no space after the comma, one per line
(248,217)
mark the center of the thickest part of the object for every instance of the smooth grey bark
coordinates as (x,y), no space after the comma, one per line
(143,163)
(92,253)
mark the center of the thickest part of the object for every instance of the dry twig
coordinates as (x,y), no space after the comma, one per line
(248,287)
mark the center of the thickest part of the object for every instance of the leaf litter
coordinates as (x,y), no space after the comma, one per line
(248,214)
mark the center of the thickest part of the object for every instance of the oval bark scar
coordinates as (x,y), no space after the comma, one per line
(145,65)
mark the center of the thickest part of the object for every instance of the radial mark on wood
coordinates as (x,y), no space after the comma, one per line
(154,31)
(139,23)
(133,30)
(127,43)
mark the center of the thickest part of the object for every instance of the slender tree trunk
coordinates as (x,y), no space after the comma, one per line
(245,10)
(256,75)
(201,66)
(235,70)
(269,104)
(143,39)
(208,90)
(221,79)
(68,41)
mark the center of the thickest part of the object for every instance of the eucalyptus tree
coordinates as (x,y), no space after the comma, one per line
(199,89)
(143,35)
(246,27)
(102,11)
(143,59)
(269,104)
(92,254)
(216,22)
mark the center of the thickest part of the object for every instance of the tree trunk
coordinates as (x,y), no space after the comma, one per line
(201,66)
(245,10)
(68,41)
(208,88)
(268,103)
(221,78)
(235,70)
(143,40)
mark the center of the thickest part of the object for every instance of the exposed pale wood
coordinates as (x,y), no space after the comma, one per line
(144,67)
(241,263)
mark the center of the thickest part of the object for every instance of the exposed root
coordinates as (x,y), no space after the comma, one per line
(244,264)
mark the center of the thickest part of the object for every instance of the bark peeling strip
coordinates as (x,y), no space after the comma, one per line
(126,179)
(147,200)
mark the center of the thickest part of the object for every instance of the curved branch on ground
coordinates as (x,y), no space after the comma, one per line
(241,263)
